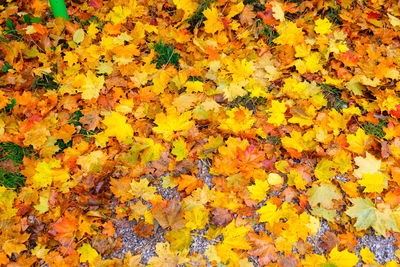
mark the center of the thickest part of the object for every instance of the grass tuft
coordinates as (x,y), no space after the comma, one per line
(334,97)
(14,152)
(375,129)
(165,55)
(45,81)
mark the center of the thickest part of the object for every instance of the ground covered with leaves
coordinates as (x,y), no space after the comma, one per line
(200,133)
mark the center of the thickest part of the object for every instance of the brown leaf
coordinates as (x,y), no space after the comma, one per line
(247,15)
(263,247)
(221,217)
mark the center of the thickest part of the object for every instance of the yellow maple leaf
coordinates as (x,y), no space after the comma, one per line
(119,14)
(180,150)
(343,161)
(323,26)
(324,169)
(235,237)
(167,257)
(232,90)
(142,189)
(7,197)
(277,11)
(36,136)
(118,127)
(374,182)
(240,70)
(358,142)
(213,22)
(89,84)
(194,86)
(289,34)
(303,116)
(295,178)
(235,9)
(369,164)
(342,258)
(43,205)
(367,256)
(196,217)
(92,161)
(277,113)
(11,246)
(300,141)
(88,254)
(188,6)
(311,63)
(105,68)
(323,194)
(259,190)
(171,122)
(239,120)
(268,213)
(46,173)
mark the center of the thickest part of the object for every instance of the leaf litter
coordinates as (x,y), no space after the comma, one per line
(211,133)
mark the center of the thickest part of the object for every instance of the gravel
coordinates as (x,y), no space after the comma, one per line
(381,246)
(134,243)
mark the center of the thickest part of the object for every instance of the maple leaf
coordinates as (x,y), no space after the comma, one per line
(367,165)
(213,22)
(119,14)
(374,182)
(295,178)
(89,84)
(92,161)
(64,229)
(180,150)
(235,237)
(289,34)
(142,189)
(368,215)
(15,245)
(47,172)
(324,169)
(299,141)
(323,194)
(117,126)
(196,217)
(188,6)
(169,214)
(88,254)
(167,257)
(259,190)
(323,26)
(6,203)
(263,247)
(277,113)
(247,15)
(171,122)
(358,142)
(367,256)
(239,120)
(269,213)
(342,258)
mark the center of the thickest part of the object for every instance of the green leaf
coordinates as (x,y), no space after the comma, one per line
(365,212)
(180,150)
(369,216)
